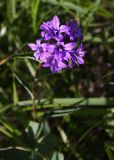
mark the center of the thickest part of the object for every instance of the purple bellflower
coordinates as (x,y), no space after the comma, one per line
(72,30)
(57,47)
(51,29)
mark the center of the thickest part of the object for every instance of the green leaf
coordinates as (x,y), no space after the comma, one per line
(108,148)
(60,102)
(72,6)
(57,156)
(15,95)
(30,67)
(104,13)
(5,132)
(34,13)
(36,128)
(11,9)
(24,84)
(9,127)
(63,135)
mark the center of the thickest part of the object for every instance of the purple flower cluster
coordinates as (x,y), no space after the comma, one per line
(60,46)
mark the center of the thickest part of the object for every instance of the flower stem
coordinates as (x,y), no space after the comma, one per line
(33,93)
(33,106)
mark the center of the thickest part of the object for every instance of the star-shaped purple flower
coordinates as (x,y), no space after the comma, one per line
(51,29)
(72,30)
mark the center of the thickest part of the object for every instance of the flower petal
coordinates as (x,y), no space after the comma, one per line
(43,33)
(50,48)
(72,64)
(67,57)
(62,65)
(43,57)
(70,46)
(38,41)
(80,60)
(33,46)
(45,26)
(36,55)
(64,28)
(82,53)
(46,64)
(56,22)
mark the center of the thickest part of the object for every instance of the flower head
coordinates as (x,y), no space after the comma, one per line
(51,29)
(57,47)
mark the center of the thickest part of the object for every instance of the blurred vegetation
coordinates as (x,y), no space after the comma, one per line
(70,122)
